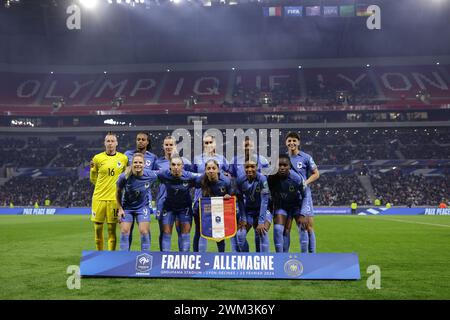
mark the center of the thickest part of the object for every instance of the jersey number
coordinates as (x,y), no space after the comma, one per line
(111,172)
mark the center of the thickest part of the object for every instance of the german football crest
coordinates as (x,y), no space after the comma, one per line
(218,218)
(148,163)
(299,165)
(119,164)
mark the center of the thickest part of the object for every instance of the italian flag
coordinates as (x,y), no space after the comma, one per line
(272,11)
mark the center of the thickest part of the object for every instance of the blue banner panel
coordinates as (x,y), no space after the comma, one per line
(403,211)
(332,210)
(44,210)
(293,266)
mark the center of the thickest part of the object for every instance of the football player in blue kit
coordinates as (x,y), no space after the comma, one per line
(142,146)
(253,193)
(213,183)
(178,202)
(305,166)
(132,198)
(286,188)
(237,165)
(199,165)
(162,164)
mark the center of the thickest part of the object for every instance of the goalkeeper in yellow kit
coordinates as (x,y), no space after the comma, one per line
(105,170)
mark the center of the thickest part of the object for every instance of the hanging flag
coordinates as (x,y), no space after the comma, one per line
(272,11)
(347,10)
(293,11)
(330,11)
(313,11)
(218,218)
(361,10)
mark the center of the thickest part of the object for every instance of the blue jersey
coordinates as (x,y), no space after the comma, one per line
(253,195)
(286,193)
(237,166)
(219,188)
(200,161)
(149,159)
(178,195)
(303,164)
(163,164)
(136,193)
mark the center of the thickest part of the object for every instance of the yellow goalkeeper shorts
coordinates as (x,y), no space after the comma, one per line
(104,208)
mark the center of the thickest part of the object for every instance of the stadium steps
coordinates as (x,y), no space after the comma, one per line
(367,185)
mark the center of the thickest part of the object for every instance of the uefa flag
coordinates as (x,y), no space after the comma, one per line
(272,11)
(218,218)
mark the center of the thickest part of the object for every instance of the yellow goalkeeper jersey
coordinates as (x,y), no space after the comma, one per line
(105,173)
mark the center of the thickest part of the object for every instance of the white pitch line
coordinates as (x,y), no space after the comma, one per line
(425,223)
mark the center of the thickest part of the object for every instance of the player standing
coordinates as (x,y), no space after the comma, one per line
(163,164)
(253,198)
(198,165)
(286,189)
(142,146)
(305,166)
(177,203)
(105,170)
(132,198)
(213,184)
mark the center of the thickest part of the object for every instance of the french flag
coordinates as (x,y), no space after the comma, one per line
(272,11)
(218,218)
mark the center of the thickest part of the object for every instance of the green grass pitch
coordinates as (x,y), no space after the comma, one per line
(413,253)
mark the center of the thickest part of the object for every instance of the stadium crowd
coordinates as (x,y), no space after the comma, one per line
(327,146)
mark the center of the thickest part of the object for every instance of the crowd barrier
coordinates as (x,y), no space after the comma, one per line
(317,211)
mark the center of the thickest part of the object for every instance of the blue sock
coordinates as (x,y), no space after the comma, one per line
(286,242)
(180,240)
(257,242)
(303,240)
(241,237)
(265,245)
(130,236)
(312,242)
(145,242)
(124,244)
(160,233)
(202,244)
(166,240)
(196,241)
(185,242)
(234,244)
(245,247)
(221,246)
(278,230)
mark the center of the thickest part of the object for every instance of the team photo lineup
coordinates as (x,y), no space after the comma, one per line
(124,182)
(224,152)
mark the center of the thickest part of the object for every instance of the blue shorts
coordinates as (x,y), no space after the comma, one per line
(142,215)
(254,215)
(307,208)
(290,212)
(183,215)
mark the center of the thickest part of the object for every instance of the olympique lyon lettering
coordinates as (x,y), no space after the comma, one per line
(254,263)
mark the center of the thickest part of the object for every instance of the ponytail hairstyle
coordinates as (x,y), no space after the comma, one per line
(206,185)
